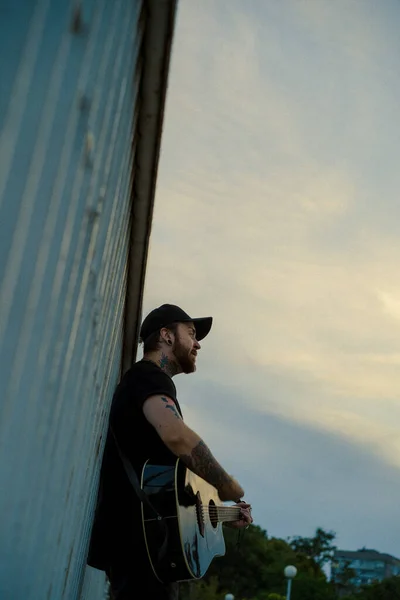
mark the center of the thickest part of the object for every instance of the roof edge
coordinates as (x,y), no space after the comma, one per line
(367,554)
(159,22)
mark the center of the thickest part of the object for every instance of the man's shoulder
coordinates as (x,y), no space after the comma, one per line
(141,380)
(145,371)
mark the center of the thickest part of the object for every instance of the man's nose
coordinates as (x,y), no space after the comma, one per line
(197,345)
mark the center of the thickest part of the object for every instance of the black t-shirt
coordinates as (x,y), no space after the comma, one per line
(117,530)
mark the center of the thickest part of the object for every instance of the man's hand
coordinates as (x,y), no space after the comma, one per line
(245,517)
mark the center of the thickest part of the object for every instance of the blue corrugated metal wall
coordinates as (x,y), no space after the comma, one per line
(67,99)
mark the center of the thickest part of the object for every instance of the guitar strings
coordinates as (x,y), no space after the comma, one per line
(220,512)
(235,514)
(223,512)
(221,508)
(214,509)
(221,519)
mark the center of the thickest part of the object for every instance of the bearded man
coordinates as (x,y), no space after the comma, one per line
(146,421)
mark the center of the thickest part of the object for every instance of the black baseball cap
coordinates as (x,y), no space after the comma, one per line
(169,313)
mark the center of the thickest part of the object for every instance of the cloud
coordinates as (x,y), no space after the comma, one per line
(296,476)
(391,303)
(277,213)
(285,306)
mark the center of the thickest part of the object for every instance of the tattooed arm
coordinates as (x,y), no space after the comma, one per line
(162,413)
(198,458)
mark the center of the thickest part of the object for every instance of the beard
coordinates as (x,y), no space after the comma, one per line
(186,361)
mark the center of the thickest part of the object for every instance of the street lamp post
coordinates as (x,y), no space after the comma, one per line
(290,572)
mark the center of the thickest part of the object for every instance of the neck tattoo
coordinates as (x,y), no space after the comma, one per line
(168,365)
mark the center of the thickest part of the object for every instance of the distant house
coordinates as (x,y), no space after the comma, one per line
(363,566)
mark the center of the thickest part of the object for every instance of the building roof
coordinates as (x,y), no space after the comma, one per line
(365,554)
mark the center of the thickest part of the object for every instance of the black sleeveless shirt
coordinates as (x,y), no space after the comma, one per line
(117,536)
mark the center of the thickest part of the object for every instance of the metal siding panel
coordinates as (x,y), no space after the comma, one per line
(67,106)
(94,587)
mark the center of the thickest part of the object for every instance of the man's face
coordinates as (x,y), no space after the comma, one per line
(185,347)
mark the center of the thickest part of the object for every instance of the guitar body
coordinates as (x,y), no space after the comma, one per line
(188,505)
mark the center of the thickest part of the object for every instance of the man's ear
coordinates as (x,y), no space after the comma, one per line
(165,335)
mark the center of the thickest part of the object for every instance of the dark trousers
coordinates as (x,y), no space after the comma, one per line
(138,585)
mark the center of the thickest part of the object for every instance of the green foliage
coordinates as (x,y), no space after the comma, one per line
(344,580)
(319,548)
(389,589)
(269,596)
(309,588)
(254,571)
(255,566)
(201,590)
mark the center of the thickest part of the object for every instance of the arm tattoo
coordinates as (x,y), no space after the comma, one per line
(172,407)
(203,464)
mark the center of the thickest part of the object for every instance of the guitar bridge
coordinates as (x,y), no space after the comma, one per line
(199,514)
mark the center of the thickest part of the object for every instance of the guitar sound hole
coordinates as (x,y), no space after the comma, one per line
(212,511)
(199,514)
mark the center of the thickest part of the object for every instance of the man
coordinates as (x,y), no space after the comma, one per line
(146,421)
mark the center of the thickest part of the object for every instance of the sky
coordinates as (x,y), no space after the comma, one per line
(277,213)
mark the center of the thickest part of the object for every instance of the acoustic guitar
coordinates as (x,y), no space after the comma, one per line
(192,516)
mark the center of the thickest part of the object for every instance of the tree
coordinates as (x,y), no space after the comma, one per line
(319,548)
(344,580)
(201,590)
(269,596)
(255,565)
(254,570)
(388,589)
(312,588)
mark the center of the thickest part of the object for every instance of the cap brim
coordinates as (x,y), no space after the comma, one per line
(203,326)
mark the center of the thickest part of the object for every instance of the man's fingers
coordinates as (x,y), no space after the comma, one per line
(246,516)
(244,505)
(245,513)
